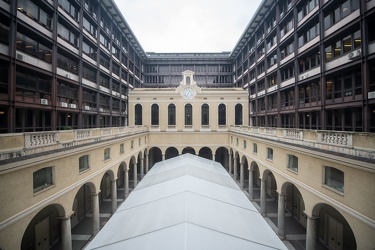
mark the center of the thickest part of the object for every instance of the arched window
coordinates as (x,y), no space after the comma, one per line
(155,114)
(205,111)
(222,115)
(188,114)
(138,114)
(188,80)
(238,114)
(171,114)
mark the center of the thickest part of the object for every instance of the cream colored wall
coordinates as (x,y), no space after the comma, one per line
(356,204)
(20,204)
(164,97)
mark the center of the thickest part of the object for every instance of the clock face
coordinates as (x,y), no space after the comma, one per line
(188,93)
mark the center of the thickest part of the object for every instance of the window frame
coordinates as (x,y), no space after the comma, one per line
(107,154)
(84,160)
(331,183)
(48,182)
(292,160)
(205,114)
(270,154)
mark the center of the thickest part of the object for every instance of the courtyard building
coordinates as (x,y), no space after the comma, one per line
(85,113)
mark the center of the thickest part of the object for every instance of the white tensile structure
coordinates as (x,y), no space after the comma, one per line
(187,202)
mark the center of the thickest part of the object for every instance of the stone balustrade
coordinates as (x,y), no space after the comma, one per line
(21,144)
(351,143)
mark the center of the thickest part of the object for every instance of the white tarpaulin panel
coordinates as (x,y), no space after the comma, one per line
(187,202)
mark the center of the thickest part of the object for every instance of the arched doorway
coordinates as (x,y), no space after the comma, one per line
(254,186)
(82,216)
(188,150)
(171,152)
(294,204)
(222,156)
(205,152)
(44,230)
(268,194)
(332,229)
(155,156)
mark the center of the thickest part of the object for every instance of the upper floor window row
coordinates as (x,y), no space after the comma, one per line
(67,63)
(339,12)
(70,9)
(343,46)
(89,27)
(309,62)
(89,51)
(33,47)
(35,12)
(308,35)
(306,8)
(67,35)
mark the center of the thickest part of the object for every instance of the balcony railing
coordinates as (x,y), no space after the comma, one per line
(350,143)
(22,144)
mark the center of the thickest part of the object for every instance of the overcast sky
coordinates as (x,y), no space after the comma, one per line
(188,25)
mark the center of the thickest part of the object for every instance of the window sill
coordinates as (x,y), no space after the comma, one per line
(333,189)
(107,160)
(84,170)
(44,189)
(270,160)
(292,170)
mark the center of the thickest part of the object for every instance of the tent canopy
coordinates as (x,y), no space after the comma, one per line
(187,202)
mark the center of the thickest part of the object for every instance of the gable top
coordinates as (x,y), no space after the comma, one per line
(188,78)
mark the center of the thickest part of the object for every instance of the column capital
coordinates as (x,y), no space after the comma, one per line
(67,216)
(312,217)
(95,194)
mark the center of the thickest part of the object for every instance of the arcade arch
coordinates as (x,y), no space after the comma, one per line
(222,156)
(205,152)
(188,150)
(155,155)
(44,230)
(171,152)
(333,230)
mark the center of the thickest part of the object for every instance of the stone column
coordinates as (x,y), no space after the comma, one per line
(141,167)
(95,213)
(126,184)
(242,175)
(147,166)
(263,187)
(213,157)
(230,164)
(311,233)
(281,216)
(66,233)
(114,196)
(163,157)
(135,174)
(251,184)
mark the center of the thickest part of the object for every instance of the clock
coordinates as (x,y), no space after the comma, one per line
(188,93)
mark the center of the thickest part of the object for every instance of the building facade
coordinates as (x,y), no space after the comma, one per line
(85,112)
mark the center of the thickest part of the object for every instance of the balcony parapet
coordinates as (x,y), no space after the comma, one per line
(350,143)
(23,144)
